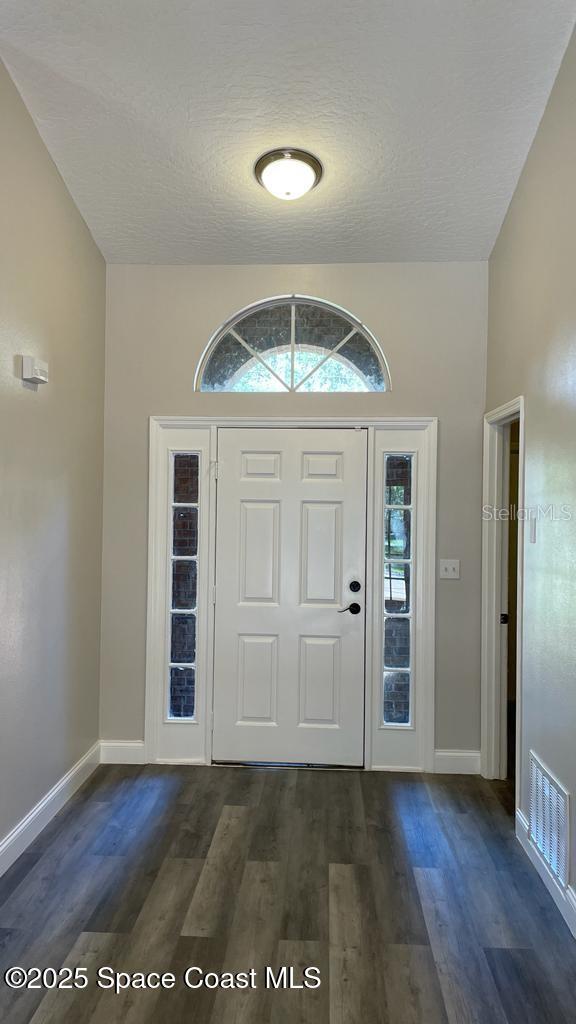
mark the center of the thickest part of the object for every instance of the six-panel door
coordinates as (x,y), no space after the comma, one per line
(291,539)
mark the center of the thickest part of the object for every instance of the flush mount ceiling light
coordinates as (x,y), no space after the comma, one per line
(288,173)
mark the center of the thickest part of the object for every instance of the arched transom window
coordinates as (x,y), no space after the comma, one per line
(293,343)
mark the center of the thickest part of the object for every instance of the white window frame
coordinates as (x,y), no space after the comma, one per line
(387,747)
(229,327)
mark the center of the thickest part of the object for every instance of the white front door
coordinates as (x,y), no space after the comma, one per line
(290,556)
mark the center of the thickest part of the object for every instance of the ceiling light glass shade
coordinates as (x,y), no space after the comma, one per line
(288,173)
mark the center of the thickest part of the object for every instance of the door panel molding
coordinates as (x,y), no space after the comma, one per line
(320,567)
(170,434)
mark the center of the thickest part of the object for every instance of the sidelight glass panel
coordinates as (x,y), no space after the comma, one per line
(183,643)
(397,643)
(186,479)
(397,526)
(182,692)
(396,587)
(185,531)
(398,479)
(397,605)
(183,584)
(396,698)
(181,695)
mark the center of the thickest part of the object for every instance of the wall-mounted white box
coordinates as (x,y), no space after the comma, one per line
(34,370)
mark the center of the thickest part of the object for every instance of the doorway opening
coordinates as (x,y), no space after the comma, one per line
(509,616)
(503,517)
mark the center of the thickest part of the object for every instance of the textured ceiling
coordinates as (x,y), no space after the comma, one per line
(422,112)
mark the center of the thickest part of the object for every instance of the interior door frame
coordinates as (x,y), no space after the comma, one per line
(167,434)
(494,534)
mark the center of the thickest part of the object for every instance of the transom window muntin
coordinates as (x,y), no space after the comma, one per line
(293,343)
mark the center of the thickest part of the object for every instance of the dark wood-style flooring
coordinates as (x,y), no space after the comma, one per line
(410,893)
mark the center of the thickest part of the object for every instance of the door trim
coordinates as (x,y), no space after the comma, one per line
(493,534)
(167,434)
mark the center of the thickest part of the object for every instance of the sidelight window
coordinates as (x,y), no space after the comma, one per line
(293,343)
(397,597)
(183,586)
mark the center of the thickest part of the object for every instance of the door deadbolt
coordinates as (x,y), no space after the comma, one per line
(355,586)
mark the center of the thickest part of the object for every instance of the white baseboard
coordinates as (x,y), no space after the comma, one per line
(24,833)
(565,899)
(122,752)
(457,762)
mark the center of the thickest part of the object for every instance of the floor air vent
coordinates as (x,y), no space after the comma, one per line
(548,822)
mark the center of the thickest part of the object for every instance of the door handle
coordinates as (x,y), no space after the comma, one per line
(353,608)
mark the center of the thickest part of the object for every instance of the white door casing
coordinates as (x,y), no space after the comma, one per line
(291,537)
(190,741)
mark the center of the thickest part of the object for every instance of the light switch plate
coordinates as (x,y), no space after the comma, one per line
(449,568)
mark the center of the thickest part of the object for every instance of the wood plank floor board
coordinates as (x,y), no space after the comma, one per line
(122,899)
(91,951)
(212,906)
(34,897)
(346,834)
(412,985)
(135,813)
(243,785)
(305,1005)
(151,945)
(305,911)
(46,942)
(526,995)
(18,871)
(252,942)
(272,831)
(183,1005)
(470,994)
(357,988)
(411,892)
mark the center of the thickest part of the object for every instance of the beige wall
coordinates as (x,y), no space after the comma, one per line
(52,304)
(431,320)
(532,351)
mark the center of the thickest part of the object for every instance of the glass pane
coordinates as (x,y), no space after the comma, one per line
(397,643)
(186,478)
(358,352)
(255,376)
(396,587)
(267,328)
(182,692)
(226,359)
(184,584)
(397,698)
(316,327)
(398,480)
(305,359)
(335,375)
(396,533)
(183,646)
(185,531)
